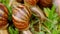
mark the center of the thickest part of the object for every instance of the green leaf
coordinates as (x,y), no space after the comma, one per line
(53,9)
(46,12)
(51,16)
(54,32)
(48,24)
(41,32)
(16,31)
(10,30)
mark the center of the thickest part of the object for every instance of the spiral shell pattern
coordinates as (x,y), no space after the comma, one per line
(21,15)
(3,16)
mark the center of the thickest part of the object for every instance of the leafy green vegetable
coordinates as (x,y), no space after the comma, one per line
(41,32)
(13,30)
(10,30)
(53,16)
(47,27)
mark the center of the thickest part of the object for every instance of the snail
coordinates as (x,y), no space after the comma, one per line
(3,16)
(38,12)
(35,9)
(21,16)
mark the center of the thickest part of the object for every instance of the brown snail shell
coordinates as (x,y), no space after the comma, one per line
(20,1)
(45,3)
(38,12)
(31,2)
(21,15)
(3,16)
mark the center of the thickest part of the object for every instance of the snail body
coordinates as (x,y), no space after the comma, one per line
(3,16)
(21,15)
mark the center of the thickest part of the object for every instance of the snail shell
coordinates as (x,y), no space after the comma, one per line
(38,12)
(3,16)
(20,1)
(45,3)
(21,15)
(31,2)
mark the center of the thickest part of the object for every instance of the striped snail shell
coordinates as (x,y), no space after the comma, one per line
(31,2)
(38,12)
(3,16)
(21,15)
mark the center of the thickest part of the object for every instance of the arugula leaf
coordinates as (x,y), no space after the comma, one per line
(53,16)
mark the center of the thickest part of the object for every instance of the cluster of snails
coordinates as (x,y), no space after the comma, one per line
(21,13)
(41,3)
(20,16)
